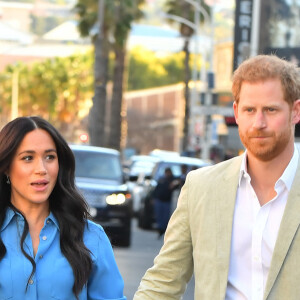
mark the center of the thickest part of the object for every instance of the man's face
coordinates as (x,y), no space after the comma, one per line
(264,118)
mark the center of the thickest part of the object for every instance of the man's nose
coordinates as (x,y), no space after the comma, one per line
(260,120)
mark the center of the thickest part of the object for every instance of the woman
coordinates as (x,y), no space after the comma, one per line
(48,247)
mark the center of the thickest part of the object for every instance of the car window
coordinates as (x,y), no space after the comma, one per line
(176,170)
(97,165)
(145,167)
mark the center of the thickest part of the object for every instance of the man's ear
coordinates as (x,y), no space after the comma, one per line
(296,112)
(235,110)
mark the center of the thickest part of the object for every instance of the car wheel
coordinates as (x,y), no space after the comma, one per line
(124,238)
(145,216)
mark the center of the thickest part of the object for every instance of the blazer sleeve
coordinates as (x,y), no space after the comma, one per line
(173,266)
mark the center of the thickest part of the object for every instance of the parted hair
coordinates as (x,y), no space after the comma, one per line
(264,67)
(65,202)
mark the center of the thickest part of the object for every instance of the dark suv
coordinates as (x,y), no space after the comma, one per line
(100,178)
(146,218)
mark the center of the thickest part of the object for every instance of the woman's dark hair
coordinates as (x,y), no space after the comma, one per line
(65,202)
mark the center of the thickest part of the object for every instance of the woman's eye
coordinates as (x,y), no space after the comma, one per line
(27,158)
(50,157)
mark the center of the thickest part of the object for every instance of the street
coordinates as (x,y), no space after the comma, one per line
(135,260)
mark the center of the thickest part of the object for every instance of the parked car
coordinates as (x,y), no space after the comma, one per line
(99,177)
(146,218)
(141,167)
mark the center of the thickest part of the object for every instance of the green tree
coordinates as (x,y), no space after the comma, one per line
(57,89)
(147,70)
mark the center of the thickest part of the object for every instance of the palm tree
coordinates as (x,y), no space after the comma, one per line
(87,11)
(125,13)
(114,21)
(185,10)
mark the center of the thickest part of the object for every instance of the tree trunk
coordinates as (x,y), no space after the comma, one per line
(187,77)
(98,110)
(114,139)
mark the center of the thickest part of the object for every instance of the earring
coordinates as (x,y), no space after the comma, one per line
(7,179)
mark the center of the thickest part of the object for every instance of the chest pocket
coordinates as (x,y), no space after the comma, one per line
(6,289)
(62,280)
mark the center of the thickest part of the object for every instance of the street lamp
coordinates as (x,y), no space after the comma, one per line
(195,26)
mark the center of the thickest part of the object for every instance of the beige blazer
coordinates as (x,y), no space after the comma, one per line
(198,241)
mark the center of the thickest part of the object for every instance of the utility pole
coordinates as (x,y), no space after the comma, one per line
(210,81)
(255,27)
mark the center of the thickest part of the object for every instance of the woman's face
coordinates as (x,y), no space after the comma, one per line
(33,171)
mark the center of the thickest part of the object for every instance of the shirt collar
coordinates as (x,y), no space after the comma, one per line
(51,218)
(288,175)
(10,214)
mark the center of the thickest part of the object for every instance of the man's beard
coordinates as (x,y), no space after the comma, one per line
(268,149)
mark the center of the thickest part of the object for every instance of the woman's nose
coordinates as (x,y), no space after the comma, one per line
(40,167)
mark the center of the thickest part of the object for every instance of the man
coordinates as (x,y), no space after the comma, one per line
(162,196)
(236,223)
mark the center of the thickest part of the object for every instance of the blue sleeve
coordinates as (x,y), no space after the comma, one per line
(105,282)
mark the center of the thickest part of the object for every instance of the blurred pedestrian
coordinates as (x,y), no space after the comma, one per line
(162,196)
(179,181)
(236,225)
(182,177)
(48,247)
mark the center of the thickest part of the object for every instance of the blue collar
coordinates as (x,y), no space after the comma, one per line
(10,214)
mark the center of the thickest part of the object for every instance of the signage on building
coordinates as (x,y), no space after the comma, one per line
(242,31)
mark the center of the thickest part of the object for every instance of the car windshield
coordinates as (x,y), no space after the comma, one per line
(97,165)
(139,166)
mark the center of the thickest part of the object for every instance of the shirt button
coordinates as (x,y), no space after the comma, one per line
(30,281)
(41,256)
(48,221)
(44,238)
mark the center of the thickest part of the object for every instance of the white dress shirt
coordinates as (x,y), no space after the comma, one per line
(254,234)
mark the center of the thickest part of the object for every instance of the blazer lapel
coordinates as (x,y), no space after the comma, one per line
(288,227)
(226,192)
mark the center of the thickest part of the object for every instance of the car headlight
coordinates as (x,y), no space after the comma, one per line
(117,199)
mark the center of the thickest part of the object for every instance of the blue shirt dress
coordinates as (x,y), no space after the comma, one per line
(54,277)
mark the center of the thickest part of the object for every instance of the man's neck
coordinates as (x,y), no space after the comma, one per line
(264,174)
